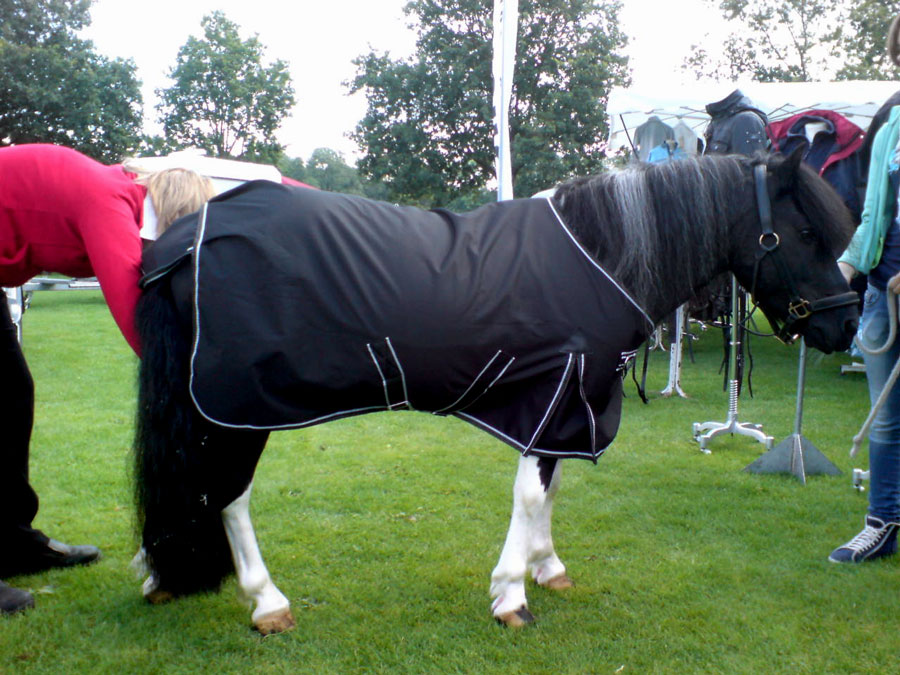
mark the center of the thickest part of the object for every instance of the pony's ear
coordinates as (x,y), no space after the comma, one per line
(785,171)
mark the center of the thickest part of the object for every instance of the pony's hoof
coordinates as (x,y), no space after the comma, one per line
(276,622)
(159,597)
(517,619)
(560,582)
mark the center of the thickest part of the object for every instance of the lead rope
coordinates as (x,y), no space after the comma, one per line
(892,379)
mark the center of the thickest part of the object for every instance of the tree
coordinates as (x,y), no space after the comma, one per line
(54,88)
(428,131)
(294,167)
(862,38)
(774,41)
(223,99)
(30,22)
(327,170)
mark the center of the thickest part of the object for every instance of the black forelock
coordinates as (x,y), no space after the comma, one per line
(823,206)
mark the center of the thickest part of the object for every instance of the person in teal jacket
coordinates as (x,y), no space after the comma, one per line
(875,250)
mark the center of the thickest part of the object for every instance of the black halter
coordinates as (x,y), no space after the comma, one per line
(799,308)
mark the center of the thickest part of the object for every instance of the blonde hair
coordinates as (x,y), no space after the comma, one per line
(175,193)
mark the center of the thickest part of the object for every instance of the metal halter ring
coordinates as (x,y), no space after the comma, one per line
(769,249)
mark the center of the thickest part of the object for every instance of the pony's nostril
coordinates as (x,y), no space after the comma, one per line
(850,326)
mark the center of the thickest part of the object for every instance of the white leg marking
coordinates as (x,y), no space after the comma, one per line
(150,587)
(529,545)
(253,577)
(543,562)
(139,563)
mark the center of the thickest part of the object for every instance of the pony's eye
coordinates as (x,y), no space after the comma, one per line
(808,235)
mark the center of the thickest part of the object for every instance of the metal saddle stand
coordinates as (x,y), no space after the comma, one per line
(795,454)
(731,425)
(675,353)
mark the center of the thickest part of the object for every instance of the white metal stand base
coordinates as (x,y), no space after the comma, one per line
(731,425)
(795,454)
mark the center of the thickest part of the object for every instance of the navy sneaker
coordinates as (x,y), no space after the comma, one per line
(878,539)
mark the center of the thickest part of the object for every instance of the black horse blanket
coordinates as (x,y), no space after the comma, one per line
(310,306)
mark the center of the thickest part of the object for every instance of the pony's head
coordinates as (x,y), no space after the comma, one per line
(786,254)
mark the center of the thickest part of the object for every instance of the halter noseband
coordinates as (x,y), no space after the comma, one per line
(799,308)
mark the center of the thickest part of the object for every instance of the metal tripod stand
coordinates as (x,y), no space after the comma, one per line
(731,425)
(795,454)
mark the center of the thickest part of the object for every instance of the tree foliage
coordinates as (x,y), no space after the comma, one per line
(224,100)
(861,40)
(327,170)
(30,22)
(428,132)
(54,88)
(772,41)
(800,41)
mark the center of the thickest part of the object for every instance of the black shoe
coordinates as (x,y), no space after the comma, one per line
(13,600)
(877,539)
(52,554)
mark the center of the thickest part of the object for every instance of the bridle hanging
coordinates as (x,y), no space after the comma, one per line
(799,308)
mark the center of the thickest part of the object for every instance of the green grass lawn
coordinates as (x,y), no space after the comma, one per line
(382,530)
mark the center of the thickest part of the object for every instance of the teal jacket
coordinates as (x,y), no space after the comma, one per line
(864,251)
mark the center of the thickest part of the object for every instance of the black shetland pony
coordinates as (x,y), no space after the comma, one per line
(647,236)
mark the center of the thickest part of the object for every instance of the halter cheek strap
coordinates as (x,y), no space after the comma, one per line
(799,308)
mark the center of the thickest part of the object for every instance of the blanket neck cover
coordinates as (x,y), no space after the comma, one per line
(310,306)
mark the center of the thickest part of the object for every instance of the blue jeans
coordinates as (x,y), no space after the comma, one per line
(884,436)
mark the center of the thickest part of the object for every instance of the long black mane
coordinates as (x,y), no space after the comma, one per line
(666,226)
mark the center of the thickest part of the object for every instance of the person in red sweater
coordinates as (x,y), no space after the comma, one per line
(61,211)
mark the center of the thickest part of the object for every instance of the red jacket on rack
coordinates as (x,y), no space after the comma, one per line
(832,152)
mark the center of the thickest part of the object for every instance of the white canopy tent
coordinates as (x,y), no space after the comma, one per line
(629,108)
(224,173)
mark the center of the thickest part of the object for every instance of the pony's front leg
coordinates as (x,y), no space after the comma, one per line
(529,544)
(271,609)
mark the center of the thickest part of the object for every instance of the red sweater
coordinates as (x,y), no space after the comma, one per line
(61,211)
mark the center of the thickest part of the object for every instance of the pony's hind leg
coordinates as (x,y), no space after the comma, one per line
(271,609)
(529,544)
(546,568)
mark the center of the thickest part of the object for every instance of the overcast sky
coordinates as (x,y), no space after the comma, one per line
(319,39)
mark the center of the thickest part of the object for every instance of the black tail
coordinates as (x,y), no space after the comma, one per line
(186,469)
